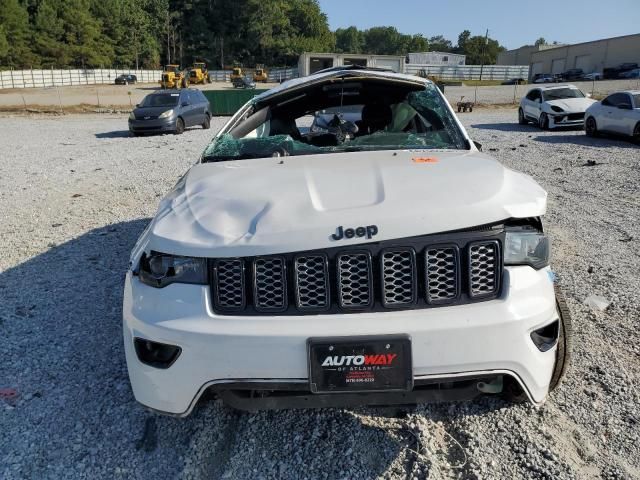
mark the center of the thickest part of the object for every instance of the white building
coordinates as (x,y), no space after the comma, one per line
(309,63)
(436,58)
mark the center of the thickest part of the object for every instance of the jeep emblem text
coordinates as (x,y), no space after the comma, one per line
(369,231)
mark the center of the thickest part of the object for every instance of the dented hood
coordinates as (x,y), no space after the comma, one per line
(287,204)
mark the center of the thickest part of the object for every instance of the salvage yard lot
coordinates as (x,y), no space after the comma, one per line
(75,193)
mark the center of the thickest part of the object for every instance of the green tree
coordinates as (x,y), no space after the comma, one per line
(540,41)
(417,43)
(15,47)
(384,41)
(440,44)
(349,40)
(463,38)
(478,52)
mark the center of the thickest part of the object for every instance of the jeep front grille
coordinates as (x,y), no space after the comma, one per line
(419,272)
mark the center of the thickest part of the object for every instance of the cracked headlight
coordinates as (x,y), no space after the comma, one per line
(159,270)
(525,246)
(166,114)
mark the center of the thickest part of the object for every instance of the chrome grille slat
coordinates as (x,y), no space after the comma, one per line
(441,274)
(355,283)
(398,277)
(312,282)
(270,284)
(483,261)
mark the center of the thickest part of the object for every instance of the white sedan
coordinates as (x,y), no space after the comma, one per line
(618,113)
(554,106)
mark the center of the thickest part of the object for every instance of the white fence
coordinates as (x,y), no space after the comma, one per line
(471,72)
(53,78)
(58,78)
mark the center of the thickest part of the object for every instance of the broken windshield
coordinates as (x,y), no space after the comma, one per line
(409,118)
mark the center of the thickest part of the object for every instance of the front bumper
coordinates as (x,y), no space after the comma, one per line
(479,339)
(152,125)
(566,119)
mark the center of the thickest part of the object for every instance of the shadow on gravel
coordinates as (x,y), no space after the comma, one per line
(583,140)
(505,127)
(114,134)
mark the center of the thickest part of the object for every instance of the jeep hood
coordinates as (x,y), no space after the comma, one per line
(287,204)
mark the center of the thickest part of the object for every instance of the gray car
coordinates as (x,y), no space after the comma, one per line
(170,111)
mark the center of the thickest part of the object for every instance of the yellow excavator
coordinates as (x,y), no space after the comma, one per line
(198,73)
(236,74)
(260,74)
(173,77)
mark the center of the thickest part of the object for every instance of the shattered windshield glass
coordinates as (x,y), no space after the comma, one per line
(420,121)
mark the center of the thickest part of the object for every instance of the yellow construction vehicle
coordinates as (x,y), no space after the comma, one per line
(236,74)
(173,77)
(260,74)
(198,73)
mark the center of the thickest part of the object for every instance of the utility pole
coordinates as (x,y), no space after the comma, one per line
(484,47)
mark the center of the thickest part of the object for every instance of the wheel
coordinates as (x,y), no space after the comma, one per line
(590,127)
(543,122)
(636,133)
(459,109)
(126,83)
(207,122)
(179,126)
(470,109)
(522,120)
(565,333)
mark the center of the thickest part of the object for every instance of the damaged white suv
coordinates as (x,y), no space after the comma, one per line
(343,242)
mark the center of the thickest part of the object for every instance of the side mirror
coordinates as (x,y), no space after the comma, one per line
(478,145)
(137,105)
(624,106)
(539,100)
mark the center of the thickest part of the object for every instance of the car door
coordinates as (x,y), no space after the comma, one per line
(615,116)
(533,102)
(200,106)
(187,107)
(626,117)
(607,112)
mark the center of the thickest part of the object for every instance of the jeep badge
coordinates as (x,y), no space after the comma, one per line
(369,231)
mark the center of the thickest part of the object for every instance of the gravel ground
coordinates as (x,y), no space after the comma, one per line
(75,192)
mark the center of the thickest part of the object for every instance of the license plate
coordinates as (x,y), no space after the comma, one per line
(360,364)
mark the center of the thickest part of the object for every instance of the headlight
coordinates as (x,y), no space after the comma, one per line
(556,109)
(166,114)
(132,116)
(159,270)
(526,247)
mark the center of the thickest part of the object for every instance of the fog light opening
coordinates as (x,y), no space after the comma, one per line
(154,354)
(546,337)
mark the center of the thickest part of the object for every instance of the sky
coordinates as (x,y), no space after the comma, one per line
(513,23)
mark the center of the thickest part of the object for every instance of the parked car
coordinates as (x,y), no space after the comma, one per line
(619,113)
(592,76)
(572,74)
(170,111)
(126,79)
(617,72)
(280,272)
(635,73)
(244,82)
(554,106)
(544,78)
(514,81)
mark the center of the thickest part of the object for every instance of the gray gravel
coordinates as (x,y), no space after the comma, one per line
(75,192)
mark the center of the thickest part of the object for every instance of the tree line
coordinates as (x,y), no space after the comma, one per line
(149,33)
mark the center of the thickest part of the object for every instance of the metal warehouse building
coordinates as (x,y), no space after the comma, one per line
(436,58)
(589,56)
(312,62)
(522,55)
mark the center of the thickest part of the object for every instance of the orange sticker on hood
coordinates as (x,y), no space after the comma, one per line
(425,160)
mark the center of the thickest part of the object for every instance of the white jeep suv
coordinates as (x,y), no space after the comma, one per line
(381,259)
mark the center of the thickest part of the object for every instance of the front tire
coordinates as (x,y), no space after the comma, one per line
(636,133)
(179,126)
(521,118)
(543,122)
(591,128)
